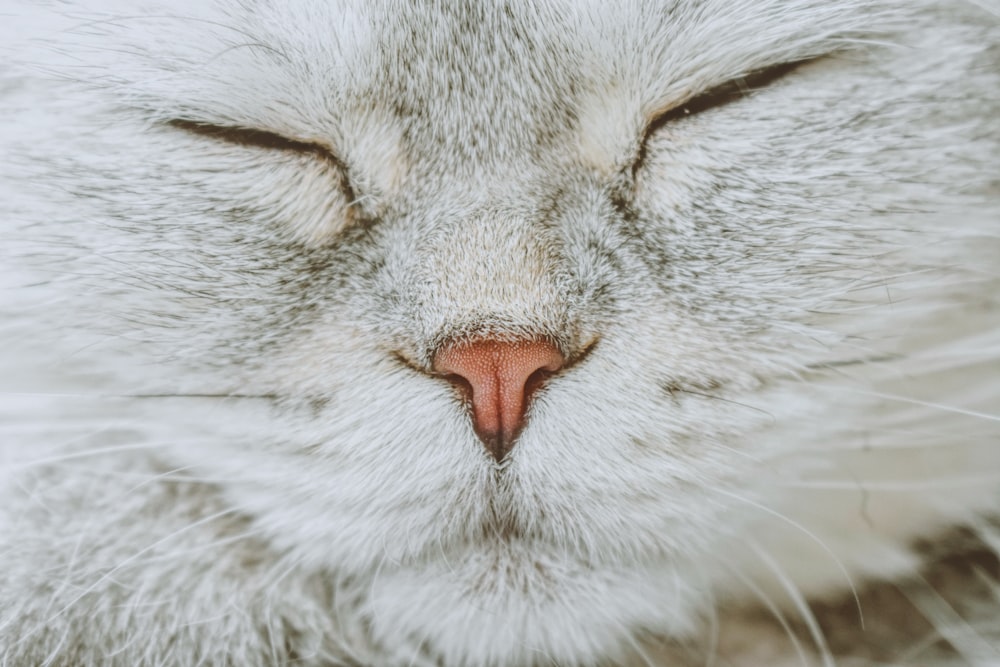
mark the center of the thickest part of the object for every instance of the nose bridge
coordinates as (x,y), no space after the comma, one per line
(492,308)
(493,273)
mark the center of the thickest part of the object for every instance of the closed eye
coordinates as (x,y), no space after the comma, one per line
(728,92)
(242,136)
(715,98)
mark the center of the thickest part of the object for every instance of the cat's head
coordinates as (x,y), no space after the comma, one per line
(514,304)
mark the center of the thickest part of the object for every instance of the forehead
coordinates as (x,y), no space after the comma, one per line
(468,84)
(479,80)
(463,84)
(297,59)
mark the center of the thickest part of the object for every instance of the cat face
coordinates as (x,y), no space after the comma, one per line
(303,205)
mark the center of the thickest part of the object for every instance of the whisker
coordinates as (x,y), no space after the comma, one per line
(714,628)
(173,475)
(109,574)
(859,361)
(949,624)
(901,486)
(726,400)
(914,401)
(799,601)
(230,539)
(812,536)
(105,396)
(983,5)
(776,612)
(627,632)
(97,451)
(262,397)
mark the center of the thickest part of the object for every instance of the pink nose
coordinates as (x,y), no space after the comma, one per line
(501,377)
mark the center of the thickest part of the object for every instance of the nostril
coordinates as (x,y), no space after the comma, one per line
(499,377)
(535,382)
(460,383)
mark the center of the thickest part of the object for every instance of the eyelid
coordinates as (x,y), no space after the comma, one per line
(243,136)
(719,96)
(725,93)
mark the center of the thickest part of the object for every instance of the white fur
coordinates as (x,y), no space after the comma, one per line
(219,440)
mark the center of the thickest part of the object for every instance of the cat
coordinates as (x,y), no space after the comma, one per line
(500,333)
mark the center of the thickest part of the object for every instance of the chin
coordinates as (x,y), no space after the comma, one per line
(507,604)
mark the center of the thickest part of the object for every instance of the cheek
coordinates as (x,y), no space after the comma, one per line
(750,247)
(356,462)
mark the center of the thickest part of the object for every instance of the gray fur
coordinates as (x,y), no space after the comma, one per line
(235,233)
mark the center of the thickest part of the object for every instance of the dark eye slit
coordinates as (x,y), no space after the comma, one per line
(730,91)
(243,136)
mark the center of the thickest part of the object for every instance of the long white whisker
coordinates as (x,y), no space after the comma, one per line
(900,486)
(776,612)
(949,624)
(229,539)
(109,574)
(82,454)
(812,536)
(798,600)
(914,401)
(713,625)
(639,651)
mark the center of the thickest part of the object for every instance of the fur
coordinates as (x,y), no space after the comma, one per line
(235,233)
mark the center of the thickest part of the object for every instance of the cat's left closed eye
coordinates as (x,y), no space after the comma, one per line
(722,95)
(728,92)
